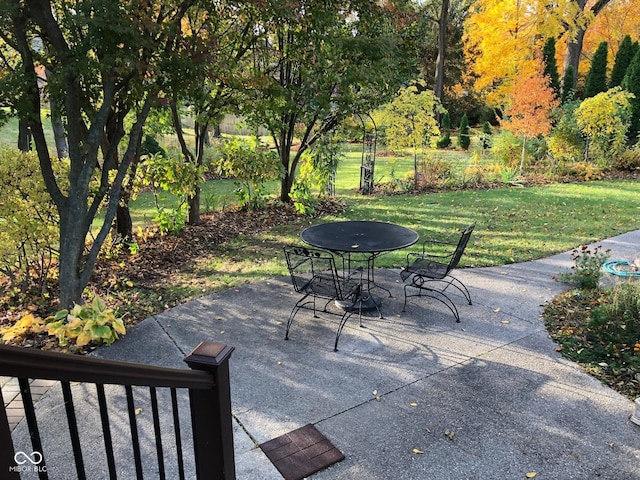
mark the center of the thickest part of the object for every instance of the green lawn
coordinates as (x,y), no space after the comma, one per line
(513,224)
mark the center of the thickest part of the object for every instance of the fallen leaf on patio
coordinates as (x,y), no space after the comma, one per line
(278,362)
(375,392)
(413,404)
(377,399)
(451,434)
(138,411)
(531,474)
(73,384)
(417,451)
(279,323)
(559,348)
(496,310)
(221,332)
(505,321)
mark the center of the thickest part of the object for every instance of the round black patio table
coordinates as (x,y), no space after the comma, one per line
(360,237)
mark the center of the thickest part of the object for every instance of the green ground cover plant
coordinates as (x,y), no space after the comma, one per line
(600,330)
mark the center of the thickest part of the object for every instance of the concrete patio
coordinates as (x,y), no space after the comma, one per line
(489,397)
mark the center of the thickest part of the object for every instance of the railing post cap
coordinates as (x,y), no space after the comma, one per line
(208,354)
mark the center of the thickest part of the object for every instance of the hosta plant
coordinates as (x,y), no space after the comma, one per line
(91,322)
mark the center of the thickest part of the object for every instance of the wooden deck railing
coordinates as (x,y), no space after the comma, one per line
(208,389)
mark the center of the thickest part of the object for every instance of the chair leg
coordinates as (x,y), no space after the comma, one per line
(404,306)
(290,320)
(436,295)
(343,320)
(463,289)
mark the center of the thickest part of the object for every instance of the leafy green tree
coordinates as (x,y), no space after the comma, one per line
(566,142)
(464,140)
(568,90)
(29,221)
(410,120)
(210,58)
(596,81)
(108,61)
(604,121)
(624,56)
(319,63)
(551,65)
(631,83)
(252,165)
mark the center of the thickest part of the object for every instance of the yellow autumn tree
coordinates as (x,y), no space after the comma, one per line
(531,104)
(502,38)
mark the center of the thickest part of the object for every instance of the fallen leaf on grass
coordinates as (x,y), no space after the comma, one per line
(138,411)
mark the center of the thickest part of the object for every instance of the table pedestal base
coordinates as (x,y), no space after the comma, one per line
(366,302)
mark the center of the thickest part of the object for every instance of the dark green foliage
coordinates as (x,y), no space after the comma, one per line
(150,146)
(550,64)
(446,122)
(485,138)
(445,139)
(597,77)
(622,61)
(631,83)
(464,140)
(568,93)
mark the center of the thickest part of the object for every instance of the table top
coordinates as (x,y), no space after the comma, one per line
(359,236)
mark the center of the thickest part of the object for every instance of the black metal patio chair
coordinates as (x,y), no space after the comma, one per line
(314,274)
(429,272)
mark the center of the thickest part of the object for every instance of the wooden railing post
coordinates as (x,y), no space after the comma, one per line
(6,448)
(211,413)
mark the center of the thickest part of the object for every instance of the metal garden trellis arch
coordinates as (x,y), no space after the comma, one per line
(367,165)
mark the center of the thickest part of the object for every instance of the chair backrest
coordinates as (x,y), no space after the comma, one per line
(313,271)
(462,244)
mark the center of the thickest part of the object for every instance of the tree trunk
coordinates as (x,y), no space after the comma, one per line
(574,47)
(58,134)
(24,137)
(124,224)
(442,46)
(286,184)
(194,207)
(572,55)
(57,126)
(524,144)
(72,247)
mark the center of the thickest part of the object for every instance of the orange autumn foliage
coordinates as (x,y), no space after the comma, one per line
(532,102)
